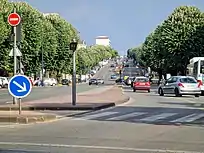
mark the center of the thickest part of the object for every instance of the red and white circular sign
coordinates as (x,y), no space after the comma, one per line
(14,19)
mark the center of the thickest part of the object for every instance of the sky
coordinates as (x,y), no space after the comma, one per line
(126,22)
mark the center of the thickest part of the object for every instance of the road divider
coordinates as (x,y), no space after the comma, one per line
(95,99)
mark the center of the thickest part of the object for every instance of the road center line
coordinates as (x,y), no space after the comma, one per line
(95,147)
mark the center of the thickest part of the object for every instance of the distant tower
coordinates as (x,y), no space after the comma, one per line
(103,40)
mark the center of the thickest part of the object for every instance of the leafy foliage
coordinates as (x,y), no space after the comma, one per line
(45,38)
(173,43)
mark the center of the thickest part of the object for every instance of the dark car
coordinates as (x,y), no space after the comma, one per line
(113,76)
(65,82)
(93,81)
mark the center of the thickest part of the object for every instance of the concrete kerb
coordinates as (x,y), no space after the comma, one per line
(28,119)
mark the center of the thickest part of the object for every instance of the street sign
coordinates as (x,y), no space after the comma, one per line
(14,19)
(17,52)
(19,86)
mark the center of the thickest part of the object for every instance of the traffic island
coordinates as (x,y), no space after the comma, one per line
(58,106)
(96,99)
(91,100)
(26,117)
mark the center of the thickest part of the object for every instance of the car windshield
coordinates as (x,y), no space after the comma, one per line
(141,80)
(188,80)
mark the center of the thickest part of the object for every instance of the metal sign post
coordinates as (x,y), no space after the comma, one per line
(14,19)
(73,47)
(19,86)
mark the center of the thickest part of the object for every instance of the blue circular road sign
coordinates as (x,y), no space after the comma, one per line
(19,86)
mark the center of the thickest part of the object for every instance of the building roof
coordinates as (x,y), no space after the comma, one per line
(102,37)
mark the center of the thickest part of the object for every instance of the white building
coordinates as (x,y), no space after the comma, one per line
(103,40)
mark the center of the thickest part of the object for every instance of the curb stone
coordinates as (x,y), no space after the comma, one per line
(27,119)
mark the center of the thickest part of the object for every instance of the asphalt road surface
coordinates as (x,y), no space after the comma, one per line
(147,124)
(46,92)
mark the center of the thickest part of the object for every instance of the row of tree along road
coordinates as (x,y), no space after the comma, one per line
(173,43)
(47,38)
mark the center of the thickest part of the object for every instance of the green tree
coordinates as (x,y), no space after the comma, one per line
(65,34)
(32,39)
(49,45)
(172,44)
(5,32)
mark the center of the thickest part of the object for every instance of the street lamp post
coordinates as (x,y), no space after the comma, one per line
(73,47)
(42,67)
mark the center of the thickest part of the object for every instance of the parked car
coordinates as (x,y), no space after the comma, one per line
(100,81)
(113,76)
(93,81)
(4,82)
(1,83)
(141,83)
(96,81)
(180,85)
(49,81)
(65,82)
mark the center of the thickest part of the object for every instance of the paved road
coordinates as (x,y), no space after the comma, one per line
(45,92)
(153,109)
(147,124)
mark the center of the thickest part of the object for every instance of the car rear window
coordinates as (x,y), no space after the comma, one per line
(141,80)
(188,80)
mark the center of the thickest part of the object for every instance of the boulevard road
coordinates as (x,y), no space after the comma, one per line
(147,124)
(46,92)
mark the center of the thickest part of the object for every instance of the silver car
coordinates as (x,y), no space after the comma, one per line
(100,81)
(180,85)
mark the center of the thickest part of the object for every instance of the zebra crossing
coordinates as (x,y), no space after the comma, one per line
(145,117)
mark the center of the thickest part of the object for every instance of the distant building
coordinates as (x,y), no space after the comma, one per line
(81,44)
(103,40)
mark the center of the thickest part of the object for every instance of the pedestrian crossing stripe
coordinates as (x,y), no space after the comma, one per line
(189,118)
(157,117)
(139,117)
(126,116)
(99,115)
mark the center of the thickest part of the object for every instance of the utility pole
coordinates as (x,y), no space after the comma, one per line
(14,54)
(73,47)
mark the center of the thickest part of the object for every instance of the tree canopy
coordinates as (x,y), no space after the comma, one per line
(45,37)
(174,42)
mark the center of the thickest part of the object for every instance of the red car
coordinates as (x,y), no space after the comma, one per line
(141,83)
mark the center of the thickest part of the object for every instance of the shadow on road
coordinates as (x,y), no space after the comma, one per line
(196,105)
(149,115)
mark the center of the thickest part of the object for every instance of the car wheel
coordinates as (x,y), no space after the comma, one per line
(177,93)
(134,90)
(53,84)
(148,90)
(197,95)
(161,93)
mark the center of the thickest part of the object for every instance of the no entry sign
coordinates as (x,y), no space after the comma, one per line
(14,19)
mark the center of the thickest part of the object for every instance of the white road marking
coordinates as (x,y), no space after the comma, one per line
(87,117)
(157,117)
(125,116)
(9,102)
(96,147)
(189,118)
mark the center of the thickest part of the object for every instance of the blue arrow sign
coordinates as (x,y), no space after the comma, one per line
(19,86)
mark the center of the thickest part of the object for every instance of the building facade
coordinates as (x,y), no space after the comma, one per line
(103,40)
